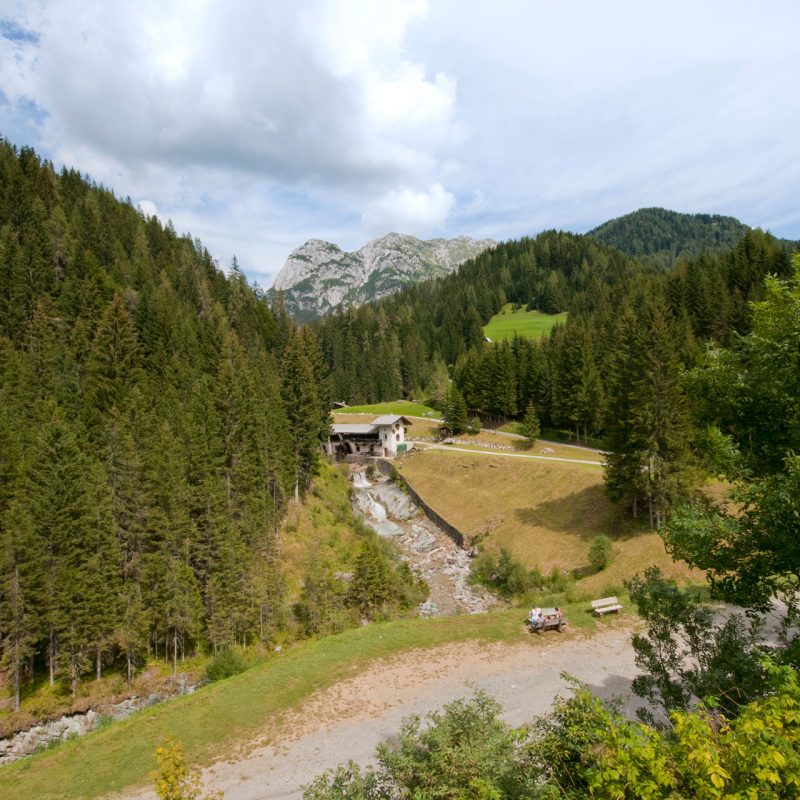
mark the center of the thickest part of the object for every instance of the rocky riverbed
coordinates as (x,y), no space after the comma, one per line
(430,552)
(68,726)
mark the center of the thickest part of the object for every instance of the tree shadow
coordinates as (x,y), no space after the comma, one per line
(618,689)
(584,513)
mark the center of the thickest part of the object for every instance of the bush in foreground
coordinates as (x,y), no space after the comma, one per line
(173,781)
(585,748)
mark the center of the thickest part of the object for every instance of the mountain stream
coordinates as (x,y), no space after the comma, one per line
(429,551)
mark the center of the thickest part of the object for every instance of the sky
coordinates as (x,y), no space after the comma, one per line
(258,125)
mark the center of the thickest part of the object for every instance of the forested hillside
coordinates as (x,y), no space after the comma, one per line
(615,369)
(403,344)
(156,418)
(661,238)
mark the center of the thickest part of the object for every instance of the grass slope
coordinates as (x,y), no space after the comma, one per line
(401,407)
(322,527)
(546,513)
(528,324)
(218,717)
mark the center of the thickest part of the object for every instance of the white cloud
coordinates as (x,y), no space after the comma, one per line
(406,210)
(148,208)
(259,125)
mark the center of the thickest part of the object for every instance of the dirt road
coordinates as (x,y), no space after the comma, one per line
(348,720)
(431,446)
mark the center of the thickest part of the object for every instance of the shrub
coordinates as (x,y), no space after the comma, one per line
(557,581)
(173,781)
(600,552)
(474,425)
(225,663)
(502,573)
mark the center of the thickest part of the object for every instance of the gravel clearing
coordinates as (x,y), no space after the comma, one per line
(349,719)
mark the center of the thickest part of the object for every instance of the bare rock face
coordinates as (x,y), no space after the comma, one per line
(319,276)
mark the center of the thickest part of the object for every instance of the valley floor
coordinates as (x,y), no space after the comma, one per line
(347,720)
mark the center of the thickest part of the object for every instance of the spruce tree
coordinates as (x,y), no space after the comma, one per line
(530,427)
(21,592)
(112,364)
(307,423)
(371,585)
(456,417)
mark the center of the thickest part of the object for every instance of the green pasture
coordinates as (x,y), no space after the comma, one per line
(528,324)
(401,407)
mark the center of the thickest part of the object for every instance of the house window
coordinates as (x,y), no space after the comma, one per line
(398,437)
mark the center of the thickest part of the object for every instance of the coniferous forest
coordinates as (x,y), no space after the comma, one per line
(157,415)
(615,371)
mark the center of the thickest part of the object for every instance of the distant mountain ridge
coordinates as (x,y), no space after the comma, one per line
(660,237)
(318,276)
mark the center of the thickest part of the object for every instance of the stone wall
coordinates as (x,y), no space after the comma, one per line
(387,468)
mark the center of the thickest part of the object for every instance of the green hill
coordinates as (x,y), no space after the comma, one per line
(660,237)
(528,324)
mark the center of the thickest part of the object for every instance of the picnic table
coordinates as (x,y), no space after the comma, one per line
(548,618)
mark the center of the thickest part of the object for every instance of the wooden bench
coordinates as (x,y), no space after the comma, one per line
(606,605)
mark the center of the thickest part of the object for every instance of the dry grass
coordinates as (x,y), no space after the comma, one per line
(480,440)
(546,513)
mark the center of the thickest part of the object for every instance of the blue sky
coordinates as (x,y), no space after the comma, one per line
(256,126)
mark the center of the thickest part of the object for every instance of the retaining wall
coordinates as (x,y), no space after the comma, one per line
(387,468)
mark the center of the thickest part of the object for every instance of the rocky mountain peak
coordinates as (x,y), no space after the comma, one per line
(318,276)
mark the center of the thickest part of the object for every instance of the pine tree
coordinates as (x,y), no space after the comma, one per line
(662,418)
(650,432)
(456,417)
(371,585)
(530,427)
(69,505)
(321,608)
(112,364)
(21,592)
(623,471)
(306,420)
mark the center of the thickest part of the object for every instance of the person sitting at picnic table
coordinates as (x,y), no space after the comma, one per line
(535,615)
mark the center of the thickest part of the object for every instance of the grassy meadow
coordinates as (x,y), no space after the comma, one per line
(528,324)
(545,512)
(402,407)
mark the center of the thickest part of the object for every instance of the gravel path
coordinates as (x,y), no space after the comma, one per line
(348,720)
(508,455)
